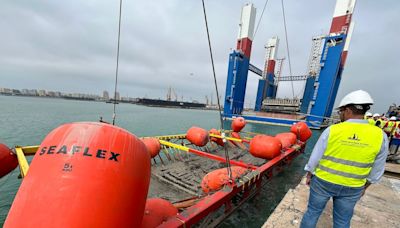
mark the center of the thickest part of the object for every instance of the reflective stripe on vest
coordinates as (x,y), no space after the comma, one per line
(389,126)
(350,153)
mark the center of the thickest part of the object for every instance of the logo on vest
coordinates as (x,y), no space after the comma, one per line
(354,137)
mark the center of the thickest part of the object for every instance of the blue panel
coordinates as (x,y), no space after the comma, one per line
(334,92)
(271,88)
(308,94)
(238,70)
(330,62)
(260,94)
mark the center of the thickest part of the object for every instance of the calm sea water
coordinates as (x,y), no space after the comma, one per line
(27,120)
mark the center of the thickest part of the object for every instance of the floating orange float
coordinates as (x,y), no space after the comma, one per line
(153,146)
(198,136)
(238,124)
(156,212)
(287,139)
(84,175)
(215,180)
(301,130)
(264,146)
(8,160)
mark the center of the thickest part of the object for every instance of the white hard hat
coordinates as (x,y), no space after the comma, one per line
(393,118)
(376,115)
(358,97)
(368,114)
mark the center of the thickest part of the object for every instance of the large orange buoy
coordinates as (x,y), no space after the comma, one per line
(84,175)
(287,139)
(8,160)
(153,146)
(215,180)
(264,146)
(156,212)
(197,136)
(218,141)
(238,124)
(301,130)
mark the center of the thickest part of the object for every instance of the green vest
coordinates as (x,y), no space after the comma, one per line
(350,153)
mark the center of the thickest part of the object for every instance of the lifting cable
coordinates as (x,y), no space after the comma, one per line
(116,69)
(259,20)
(287,46)
(228,164)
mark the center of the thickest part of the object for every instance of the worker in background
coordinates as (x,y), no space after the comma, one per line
(368,117)
(377,119)
(347,158)
(390,126)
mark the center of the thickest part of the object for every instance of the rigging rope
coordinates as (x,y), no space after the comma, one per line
(287,46)
(116,69)
(258,24)
(216,89)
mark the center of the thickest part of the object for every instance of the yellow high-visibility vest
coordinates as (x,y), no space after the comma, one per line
(371,121)
(350,153)
(389,127)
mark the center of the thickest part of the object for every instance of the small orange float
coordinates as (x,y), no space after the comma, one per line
(153,146)
(287,139)
(264,146)
(301,130)
(238,124)
(216,179)
(8,160)
(198,136)
(156,212)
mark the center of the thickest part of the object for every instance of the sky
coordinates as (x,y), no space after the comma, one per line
(70,46)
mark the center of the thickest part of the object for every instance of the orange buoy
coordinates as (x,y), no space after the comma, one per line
(86,174)
(8,160)
(264,146)
(238,124)
(301,130)
(153,146)
(197,136)
(156,212)
(215,180)
(218,141)
(287,139)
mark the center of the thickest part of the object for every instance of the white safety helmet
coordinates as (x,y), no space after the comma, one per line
(368,114)
(356,98)
(393,118)
(376,115)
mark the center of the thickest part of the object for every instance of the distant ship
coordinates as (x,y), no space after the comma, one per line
(167,103)
(171,101)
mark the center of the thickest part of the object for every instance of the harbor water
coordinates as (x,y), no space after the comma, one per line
(27,120)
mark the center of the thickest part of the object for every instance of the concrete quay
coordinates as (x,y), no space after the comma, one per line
(379,207)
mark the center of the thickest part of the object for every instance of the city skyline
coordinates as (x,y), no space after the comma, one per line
(72,45)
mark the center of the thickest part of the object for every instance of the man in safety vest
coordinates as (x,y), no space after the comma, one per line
(377,119)
(346,159)
(390,126)
(368,117)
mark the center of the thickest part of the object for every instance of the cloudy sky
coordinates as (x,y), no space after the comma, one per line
(70,46)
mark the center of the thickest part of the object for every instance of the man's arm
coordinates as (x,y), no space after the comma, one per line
(378,167)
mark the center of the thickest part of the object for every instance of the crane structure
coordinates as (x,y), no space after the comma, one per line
(323,76)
